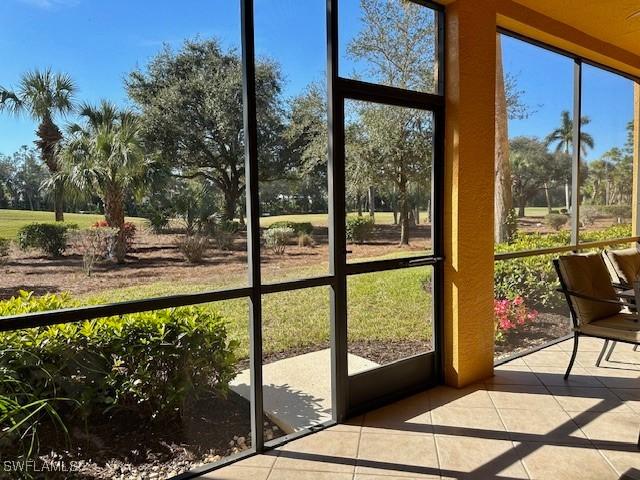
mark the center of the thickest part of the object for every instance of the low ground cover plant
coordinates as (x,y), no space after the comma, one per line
(193,247)
(50,238)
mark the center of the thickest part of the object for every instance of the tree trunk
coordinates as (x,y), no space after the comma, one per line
(403,200)
(503,199)
(58,201)
(547,197)
(359,205)
(567,197)
(372,203)
(417,215)
(114,215)
(521,211)
(49,135)
(230,205)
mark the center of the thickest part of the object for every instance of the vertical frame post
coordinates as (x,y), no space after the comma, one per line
(575,161)
(253,226)
(337,212)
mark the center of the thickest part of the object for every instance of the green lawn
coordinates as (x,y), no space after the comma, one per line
(320,219)
(390,305)
(12,220)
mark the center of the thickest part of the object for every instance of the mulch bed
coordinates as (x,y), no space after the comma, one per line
(123,447)
(547,327)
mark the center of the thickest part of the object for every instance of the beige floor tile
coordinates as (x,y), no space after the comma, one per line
(323,451)
(581,399)
(474,396)
(552,426)
(616,377)
(509,366)
(234,472)
(471,422)
(630,396)
(623,461)
(368,476)
(410,416)
(556,462)
(466,457)
(579,377)
(515,362)
(586,344)
(265,460)
(523,397)
(587,359)
(603,427)
(513,376)
(544,358)
(279,474)
(400,455)
(352,425)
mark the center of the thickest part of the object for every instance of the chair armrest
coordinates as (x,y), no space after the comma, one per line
(596,299)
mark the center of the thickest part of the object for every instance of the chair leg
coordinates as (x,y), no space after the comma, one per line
(635,348)
(613,345)
(604,349)
(573,356)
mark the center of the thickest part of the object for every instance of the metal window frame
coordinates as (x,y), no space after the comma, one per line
(578,62)
(575,245)
(339,89)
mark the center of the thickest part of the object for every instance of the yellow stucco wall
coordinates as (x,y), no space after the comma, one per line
(469,158)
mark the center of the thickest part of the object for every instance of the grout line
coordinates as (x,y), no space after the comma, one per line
(513,445)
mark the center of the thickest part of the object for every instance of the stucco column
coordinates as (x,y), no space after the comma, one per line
(469,190)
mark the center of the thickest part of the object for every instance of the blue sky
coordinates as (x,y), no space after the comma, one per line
(99,42)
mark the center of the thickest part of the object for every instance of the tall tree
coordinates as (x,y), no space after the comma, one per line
(562,137)
(105,156)
(43,95)
(190,103)
(397,44)
(503,201)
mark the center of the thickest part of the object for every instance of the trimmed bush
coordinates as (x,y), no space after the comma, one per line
(277,238)
(618,211)
(589,214)
(50,238)
(298,228)
(193,247)
(153,363)
(556,220)
(359,229)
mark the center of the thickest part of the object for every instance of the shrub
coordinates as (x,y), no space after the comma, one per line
(193,247)
(359,229)
(589,214)
(122,242)
(224,232)
(298,228)
(277,238)
(94,244)
(556,220)
(618,211)
(151,362)
(158,219)
(510,314)
(5,249)
(305,240)
(51,238)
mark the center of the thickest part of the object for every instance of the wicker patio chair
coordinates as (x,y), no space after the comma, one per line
(596,309)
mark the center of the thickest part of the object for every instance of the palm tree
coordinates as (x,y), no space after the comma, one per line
(104,155)
(42,95)
(563,138)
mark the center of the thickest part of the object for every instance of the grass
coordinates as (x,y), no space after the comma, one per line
(320,219)
(383,306)
(12,220)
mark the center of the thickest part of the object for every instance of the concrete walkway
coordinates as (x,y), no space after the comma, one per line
(297,390)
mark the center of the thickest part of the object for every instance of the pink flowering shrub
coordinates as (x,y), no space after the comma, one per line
(511,314)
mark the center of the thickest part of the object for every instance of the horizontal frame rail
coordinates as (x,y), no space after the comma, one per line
(91,312)
(392,264)
(563,249)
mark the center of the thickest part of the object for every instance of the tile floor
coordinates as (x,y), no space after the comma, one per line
(525,422)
